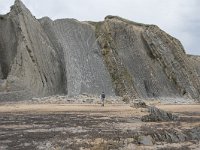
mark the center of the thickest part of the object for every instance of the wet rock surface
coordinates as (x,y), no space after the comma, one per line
(95,129)
(70,131)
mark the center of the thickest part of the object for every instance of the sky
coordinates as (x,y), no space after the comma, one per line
(179,18)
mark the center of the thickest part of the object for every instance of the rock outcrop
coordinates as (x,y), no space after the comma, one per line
(172,135)
(28,53)
(44,57)
(150,63)
(156,115)
(76,45)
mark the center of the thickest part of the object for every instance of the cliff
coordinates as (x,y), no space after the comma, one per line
(120,57)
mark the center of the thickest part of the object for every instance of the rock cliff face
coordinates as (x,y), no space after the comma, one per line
(44,57)
(76,45)
(28,55)
(153,63)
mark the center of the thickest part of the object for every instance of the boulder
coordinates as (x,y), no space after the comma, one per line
(139,104)
(156,114)
(146,140)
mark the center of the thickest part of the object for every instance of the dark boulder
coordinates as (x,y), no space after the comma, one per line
(156,114)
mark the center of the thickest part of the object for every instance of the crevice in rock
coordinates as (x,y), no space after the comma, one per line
(46,24)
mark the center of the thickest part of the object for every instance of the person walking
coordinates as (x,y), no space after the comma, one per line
(103,96)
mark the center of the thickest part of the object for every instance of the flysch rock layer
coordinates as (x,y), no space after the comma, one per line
(43,57)
(81,56)
(153,63)
(60,57)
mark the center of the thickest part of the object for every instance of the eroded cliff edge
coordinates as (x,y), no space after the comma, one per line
(44,57)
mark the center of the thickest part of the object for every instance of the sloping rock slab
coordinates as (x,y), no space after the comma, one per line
(158,115)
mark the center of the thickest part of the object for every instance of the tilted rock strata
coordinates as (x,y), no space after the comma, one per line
(195,61)
(62,59)
(171,56)
(156,115)
(120,57)
(31,57)
(152,62)
(81,55)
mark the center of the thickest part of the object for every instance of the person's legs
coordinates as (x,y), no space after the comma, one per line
(102,102)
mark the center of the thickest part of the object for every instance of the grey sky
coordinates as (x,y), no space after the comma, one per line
(179,18)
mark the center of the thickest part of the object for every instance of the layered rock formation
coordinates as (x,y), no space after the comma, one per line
(76,45)
(154,63)
(44,57)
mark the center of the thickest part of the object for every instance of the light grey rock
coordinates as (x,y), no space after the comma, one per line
(146,140)
(81,56)
(195,60)
(29,55)
(117,56)
(3,85)
(15,96)
(13,89)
